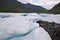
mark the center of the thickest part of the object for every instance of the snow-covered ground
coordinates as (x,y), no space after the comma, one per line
(23,26)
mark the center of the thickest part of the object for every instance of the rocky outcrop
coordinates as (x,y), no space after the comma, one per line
(52,28)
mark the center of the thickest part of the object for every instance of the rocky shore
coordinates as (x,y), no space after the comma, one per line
(52,28)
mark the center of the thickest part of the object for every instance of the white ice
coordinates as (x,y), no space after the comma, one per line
(23,26)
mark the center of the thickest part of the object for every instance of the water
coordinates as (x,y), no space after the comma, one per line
(23,26)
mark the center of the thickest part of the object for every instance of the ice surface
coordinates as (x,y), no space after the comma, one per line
(23,26)
(50,18)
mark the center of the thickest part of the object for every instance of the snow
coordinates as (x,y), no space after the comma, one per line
(50,18)
(23,26)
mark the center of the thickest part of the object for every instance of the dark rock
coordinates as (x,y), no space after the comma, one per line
(52,28)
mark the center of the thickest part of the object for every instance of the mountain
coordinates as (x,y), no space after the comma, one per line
(15,6)
(56,8)
(12,6)
(34,8)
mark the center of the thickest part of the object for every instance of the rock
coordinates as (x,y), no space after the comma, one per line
(52,28)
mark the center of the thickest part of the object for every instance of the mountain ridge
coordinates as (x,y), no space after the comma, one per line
(54,10)
(15,6)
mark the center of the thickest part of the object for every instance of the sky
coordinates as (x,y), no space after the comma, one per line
(48,4)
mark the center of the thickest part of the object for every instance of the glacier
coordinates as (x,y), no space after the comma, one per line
(23,26)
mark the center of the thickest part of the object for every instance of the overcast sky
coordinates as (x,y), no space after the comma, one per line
(48,4)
